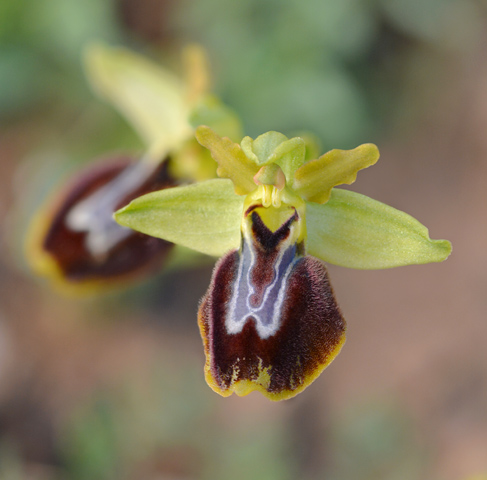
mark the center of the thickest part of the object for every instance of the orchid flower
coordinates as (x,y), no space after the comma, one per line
(269,320)
(73,239)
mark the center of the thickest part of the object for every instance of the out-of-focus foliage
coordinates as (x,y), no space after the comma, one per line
(134,433)
(380,440)
(285,65)
(40,44)
(137,432)
(319,65)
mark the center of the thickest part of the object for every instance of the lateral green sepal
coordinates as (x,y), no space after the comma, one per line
(315,179)
(355,231)
(204,216)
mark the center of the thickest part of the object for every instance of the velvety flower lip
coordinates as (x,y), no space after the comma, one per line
(269,320)
(114,255)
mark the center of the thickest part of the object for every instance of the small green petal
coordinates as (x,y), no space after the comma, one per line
(232,162)
(315,179)
(204,216)
(274,147)
(151,99)
(352,230)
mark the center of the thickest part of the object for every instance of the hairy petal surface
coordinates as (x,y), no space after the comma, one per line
(355,231)
(204,216)
(315,179)
(269,319)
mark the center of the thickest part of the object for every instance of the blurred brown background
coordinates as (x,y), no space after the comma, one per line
(112,387)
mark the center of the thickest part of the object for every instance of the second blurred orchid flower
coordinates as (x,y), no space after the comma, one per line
(73,239)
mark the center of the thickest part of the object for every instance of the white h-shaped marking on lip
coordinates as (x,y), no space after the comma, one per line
(234,324)
(93,214)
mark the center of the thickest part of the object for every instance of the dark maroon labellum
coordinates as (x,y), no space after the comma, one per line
(269,320)
(82,237)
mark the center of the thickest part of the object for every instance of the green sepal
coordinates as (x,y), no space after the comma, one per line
(203,216)
(149,97)
(355,231)
(274,147)
(232,161)
(315,179)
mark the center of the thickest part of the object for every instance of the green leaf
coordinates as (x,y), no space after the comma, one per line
(315,179)
(204,216)
(151,99)
(354,231)
(232,162)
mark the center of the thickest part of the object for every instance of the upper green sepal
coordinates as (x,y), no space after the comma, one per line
(151,98)
(355,231)
(274,147)
(204,216)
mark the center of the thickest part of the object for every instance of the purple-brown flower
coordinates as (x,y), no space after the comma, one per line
(74,239)
(269,320)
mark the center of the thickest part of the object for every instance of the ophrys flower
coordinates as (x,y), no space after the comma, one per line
(269,319)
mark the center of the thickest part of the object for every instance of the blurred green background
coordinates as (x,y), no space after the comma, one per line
(112,387)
